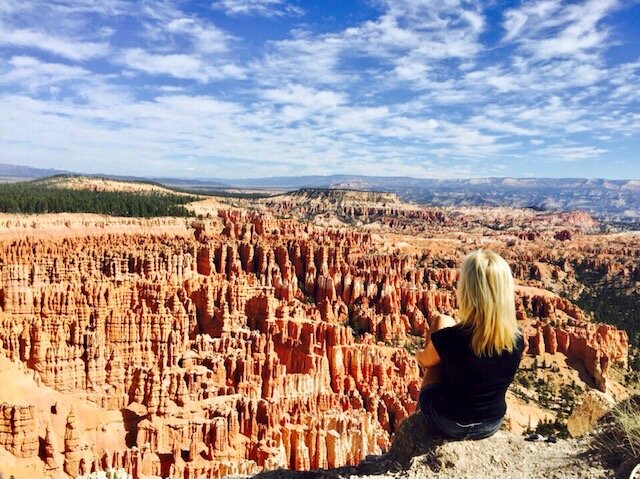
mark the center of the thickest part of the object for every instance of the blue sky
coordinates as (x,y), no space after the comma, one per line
(250,88)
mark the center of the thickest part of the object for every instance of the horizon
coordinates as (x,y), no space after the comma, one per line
(256,178)
(250,89)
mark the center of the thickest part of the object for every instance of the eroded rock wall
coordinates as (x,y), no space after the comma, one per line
(251,343)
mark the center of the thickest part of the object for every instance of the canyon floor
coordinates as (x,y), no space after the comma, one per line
(278,333)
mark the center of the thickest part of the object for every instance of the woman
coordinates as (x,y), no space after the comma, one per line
(470,364)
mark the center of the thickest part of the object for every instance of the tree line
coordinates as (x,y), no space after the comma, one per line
(37,198)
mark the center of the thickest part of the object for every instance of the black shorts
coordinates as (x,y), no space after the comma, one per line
(454,429)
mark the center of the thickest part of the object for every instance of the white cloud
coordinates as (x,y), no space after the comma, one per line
(550,28)
(73,50)
(35,74)
(418,89)
(365,119)
(445,138)
(267,8)
(305,96)
(65,28)
(181,46)
(410,40)
(205,37)
(421,30)
(176,65)
(39,9)
(315,61)
(482,122)
(571,153)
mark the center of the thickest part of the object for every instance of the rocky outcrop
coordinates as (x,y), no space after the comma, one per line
(561,327)
(51,452)
(355,206)
(208,340)
(250,343)
(18,430)
(419,452)
(592,407)
(76,460)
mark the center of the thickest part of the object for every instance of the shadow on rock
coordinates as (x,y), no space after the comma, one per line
(416,436)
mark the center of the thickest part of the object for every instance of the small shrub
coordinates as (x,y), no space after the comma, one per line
(627,417)
(619,439)
(557,427)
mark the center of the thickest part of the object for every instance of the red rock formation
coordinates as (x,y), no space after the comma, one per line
(77,458)
(18,430)
(562,327)
(254,343)
(51,453)
(563,235)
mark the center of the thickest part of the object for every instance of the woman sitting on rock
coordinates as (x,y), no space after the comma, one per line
(471,362)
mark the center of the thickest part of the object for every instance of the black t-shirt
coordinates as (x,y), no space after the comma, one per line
(473,388)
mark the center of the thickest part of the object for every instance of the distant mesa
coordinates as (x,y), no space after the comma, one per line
(337,195)
(615,201)
(103,184)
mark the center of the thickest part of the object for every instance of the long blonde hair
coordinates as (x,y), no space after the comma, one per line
(486,301)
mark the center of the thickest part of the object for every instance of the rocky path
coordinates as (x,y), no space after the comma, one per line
(415,454)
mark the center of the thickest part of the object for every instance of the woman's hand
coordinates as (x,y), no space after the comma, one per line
(429,357)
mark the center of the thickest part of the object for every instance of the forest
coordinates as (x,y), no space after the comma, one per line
(31,197)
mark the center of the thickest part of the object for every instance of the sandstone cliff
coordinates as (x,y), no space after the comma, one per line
(244,343)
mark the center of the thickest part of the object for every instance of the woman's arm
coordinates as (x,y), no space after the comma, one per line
(429,357)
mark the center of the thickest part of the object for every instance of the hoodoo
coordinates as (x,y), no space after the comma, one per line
(244,342)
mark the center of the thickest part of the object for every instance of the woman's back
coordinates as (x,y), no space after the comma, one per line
(473,387)
(470,365)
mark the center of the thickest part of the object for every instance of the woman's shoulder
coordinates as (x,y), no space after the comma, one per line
(449,326)
(451,341)
(444,321)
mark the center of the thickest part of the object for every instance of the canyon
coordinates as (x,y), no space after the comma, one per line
(267,334)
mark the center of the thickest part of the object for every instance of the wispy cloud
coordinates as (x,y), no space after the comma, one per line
(34,74)
(181,46)
(550,28)
(205,37)
(304,96)
(571,153)
(414,87)
(179,66)
(266,8)
(73,50)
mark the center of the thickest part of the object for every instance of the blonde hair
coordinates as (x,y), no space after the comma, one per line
(486,301)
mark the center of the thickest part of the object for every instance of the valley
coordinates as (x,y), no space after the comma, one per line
(279,332)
